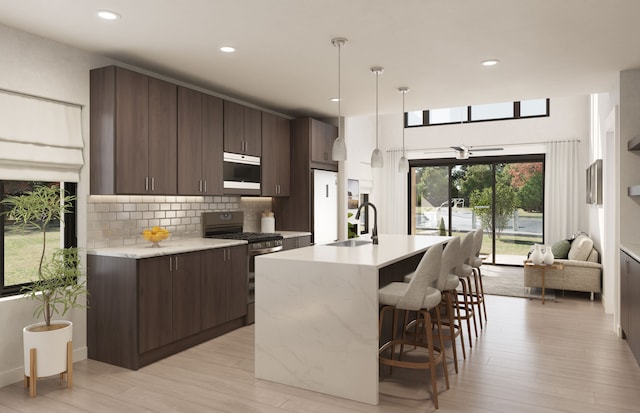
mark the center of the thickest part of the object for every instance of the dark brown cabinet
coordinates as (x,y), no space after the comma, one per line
(296,242)
(295,212)
(133,133)
(146,309)
(630,302)
(275,155)
(242,129)
(200,136)
(155,303)
(224,285)
(322,136)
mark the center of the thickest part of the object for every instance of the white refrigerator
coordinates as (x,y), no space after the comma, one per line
(325,206)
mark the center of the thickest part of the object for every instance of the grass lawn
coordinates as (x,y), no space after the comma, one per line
(22,254)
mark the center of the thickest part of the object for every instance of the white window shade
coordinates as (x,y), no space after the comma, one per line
(40,139)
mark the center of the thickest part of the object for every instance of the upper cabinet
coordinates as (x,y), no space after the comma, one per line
(634,145)
(322,136)
(242,129)
(275,155)
(200,126)
(133,133)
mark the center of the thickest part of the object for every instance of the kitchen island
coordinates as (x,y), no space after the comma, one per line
(317,313)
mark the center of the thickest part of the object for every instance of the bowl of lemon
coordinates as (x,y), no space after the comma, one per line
(155,235)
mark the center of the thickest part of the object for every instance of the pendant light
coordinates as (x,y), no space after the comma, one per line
(339,149)
(403,165)
(376,157)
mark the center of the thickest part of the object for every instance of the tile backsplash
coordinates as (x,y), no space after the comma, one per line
(118,220)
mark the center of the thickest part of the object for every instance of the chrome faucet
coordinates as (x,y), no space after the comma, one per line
(374,231)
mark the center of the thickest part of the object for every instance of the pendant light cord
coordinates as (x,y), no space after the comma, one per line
(339,95)
(377,75)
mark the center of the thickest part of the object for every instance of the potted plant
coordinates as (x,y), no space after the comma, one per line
(58,288)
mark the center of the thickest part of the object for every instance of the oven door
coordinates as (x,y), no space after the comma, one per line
(252,279)
(241,174)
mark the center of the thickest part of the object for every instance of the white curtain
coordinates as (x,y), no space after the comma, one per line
(561,201)
(40,139)
(396,195)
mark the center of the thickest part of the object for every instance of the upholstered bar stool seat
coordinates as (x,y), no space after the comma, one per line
(421,297)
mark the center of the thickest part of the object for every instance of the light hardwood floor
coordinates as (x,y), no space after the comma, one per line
(558,357)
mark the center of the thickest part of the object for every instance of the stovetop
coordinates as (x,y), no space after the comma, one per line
(249,236)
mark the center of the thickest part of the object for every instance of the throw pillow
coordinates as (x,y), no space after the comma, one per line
(561,249)
(580,248)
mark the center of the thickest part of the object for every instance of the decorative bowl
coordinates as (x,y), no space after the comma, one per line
(155,235)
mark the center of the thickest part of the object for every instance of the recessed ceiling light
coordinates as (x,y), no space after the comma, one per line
(108,15)
(227,49)
(335,99)
(491,62)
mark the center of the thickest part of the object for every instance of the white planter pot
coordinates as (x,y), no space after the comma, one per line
(51,348)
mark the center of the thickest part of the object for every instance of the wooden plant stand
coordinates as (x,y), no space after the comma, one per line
(30,381)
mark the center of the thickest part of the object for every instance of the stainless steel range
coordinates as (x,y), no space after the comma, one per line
(229,225)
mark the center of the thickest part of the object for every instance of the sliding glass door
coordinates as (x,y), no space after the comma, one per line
(502,195)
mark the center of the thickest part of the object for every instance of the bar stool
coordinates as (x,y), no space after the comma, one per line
(417,295)
(448,283)
(476,262)
(464,272)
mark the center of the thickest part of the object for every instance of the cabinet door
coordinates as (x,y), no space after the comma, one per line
(212,143)
(224,285)
(237,282)
(163,141)
(189,142)
(187,285)
(624,294)
(214,288)
(242,129)
(132,132)
(633,336)
(155,303)
(252,131)
(233,127)
(275,156)
(284,157)
(322,137)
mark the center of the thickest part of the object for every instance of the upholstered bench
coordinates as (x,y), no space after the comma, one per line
(581,269)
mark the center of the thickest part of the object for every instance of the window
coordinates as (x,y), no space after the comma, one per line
(503,195)
(479,113)
(21,249)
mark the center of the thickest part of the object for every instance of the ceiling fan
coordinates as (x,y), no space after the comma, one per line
(463,152)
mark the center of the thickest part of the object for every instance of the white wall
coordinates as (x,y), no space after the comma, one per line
(33,65)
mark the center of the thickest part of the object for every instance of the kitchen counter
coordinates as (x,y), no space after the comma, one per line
(317,313)
(293,234)
(167,247)
(632,250)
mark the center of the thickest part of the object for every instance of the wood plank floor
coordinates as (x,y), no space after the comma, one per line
(559,357)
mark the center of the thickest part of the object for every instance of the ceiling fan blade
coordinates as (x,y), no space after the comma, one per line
(485,149)
(458,148)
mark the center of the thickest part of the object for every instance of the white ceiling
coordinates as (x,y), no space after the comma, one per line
(285,60)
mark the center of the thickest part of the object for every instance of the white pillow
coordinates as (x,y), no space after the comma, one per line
(580,248)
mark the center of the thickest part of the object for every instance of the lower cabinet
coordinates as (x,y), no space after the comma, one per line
(225,275)
(630,302)
(142,310)
(296,242)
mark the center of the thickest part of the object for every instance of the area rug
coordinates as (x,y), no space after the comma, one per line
(503,280)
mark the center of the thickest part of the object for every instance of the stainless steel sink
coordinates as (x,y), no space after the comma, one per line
(350,243)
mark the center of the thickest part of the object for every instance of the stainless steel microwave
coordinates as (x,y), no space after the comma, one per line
(241,173)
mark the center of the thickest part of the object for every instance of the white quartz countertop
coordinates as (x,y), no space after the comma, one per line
(391,248)
(633,250)
(167,247)
(293,234)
